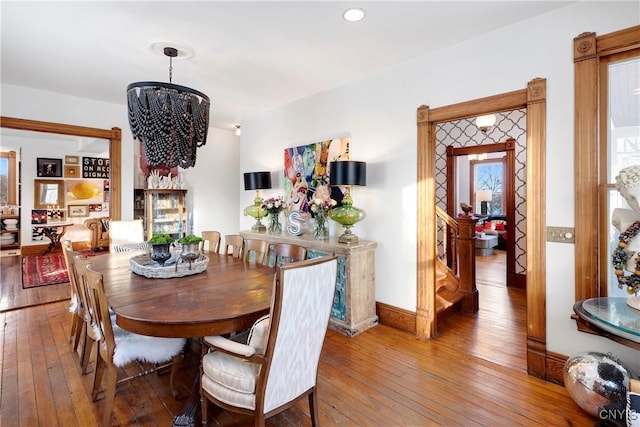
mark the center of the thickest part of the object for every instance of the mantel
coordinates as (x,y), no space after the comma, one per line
(354,307)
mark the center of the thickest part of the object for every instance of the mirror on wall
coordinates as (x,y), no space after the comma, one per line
(47,193)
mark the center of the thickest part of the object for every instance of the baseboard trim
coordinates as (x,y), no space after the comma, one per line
(555,367)
(395,317)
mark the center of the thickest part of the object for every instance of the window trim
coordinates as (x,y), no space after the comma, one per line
(12,176)
(589,50)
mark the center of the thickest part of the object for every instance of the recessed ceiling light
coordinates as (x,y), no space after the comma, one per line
(354,14)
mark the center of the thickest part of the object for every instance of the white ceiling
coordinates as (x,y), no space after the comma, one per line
(247,56)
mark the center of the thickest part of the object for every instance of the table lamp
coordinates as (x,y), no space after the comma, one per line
(257,181)
(347,173)
(484,196)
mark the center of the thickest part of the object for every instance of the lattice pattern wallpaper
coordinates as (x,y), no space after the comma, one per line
(465,133)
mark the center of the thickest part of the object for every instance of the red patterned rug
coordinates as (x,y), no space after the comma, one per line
(42,270)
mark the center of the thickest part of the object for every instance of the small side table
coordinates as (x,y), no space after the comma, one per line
(485,245)
(54,232)
(613,317)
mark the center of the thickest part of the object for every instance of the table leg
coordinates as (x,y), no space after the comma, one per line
(54,237)
(188,414)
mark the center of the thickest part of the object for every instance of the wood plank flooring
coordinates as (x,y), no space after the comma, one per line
(472,374)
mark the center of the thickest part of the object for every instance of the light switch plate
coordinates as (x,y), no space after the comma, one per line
(561,234)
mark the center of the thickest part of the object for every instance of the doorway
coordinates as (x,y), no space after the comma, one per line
(463,185)
(533,98)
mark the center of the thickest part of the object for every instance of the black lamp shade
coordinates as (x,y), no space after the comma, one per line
(257,180)
(348,173)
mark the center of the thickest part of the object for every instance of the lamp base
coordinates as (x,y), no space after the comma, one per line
(348,237)
(258,227)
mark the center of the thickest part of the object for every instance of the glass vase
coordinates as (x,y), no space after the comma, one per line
(321,228)
(275,226)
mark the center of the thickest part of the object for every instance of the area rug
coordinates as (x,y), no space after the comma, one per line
(42,270)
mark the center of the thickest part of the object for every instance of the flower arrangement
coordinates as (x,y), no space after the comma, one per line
(273,205)
(321,206)
(319,210)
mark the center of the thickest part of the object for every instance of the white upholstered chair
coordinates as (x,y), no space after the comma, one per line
(266,378)
(126,236)
(117,347)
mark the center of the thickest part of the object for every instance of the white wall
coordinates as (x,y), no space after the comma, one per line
(379,113)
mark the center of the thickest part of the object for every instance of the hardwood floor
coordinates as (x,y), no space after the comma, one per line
(473,374)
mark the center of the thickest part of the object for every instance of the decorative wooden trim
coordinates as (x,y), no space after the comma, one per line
(555,367)
(534,99)
(517,281)
(536,226)
(114,135)
(426,228)
(395,317)
(589,50)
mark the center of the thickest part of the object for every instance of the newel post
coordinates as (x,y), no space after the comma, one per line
(467,262)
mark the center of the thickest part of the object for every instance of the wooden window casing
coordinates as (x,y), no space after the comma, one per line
(590,148)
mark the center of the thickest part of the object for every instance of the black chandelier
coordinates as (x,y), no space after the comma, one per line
(172,121)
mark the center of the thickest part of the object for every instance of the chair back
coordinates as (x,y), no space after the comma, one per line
(303,297)
(257,248)
(235,243)
(99,308)
(122,233)
(212,240)
(285,252)
(77,301)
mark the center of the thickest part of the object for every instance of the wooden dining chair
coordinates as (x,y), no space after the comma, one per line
(288,252)
(256,250)
(210,239)
(117,347)
(278,364)
(76,305)
(233,245)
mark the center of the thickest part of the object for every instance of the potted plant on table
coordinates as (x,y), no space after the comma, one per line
(190,247)
(160,248)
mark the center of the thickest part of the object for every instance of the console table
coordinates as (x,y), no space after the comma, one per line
(354,303)
(611,317)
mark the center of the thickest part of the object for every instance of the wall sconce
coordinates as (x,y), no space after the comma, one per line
(347,173)
(238,131)
(484,123)
(257,181)
(484,197)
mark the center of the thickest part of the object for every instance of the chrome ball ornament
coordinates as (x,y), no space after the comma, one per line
(598,383)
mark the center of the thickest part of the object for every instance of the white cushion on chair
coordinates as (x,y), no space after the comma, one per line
(225,394)
(130,347)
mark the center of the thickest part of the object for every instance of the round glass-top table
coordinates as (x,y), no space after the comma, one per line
(612,315)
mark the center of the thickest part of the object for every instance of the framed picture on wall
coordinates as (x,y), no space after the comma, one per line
(71,171)
(51,168)
(78,210)
(72,160)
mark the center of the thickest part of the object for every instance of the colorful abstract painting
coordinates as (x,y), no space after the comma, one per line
(306,170)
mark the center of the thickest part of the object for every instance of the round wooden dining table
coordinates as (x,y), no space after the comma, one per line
(227,297)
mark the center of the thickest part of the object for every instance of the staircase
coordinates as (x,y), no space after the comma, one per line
(455,265)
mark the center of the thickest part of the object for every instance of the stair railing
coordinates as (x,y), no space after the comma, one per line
(456,240)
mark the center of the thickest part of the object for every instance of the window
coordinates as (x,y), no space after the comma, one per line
(605,141)
(8,178)
(621,76)
(487,183)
